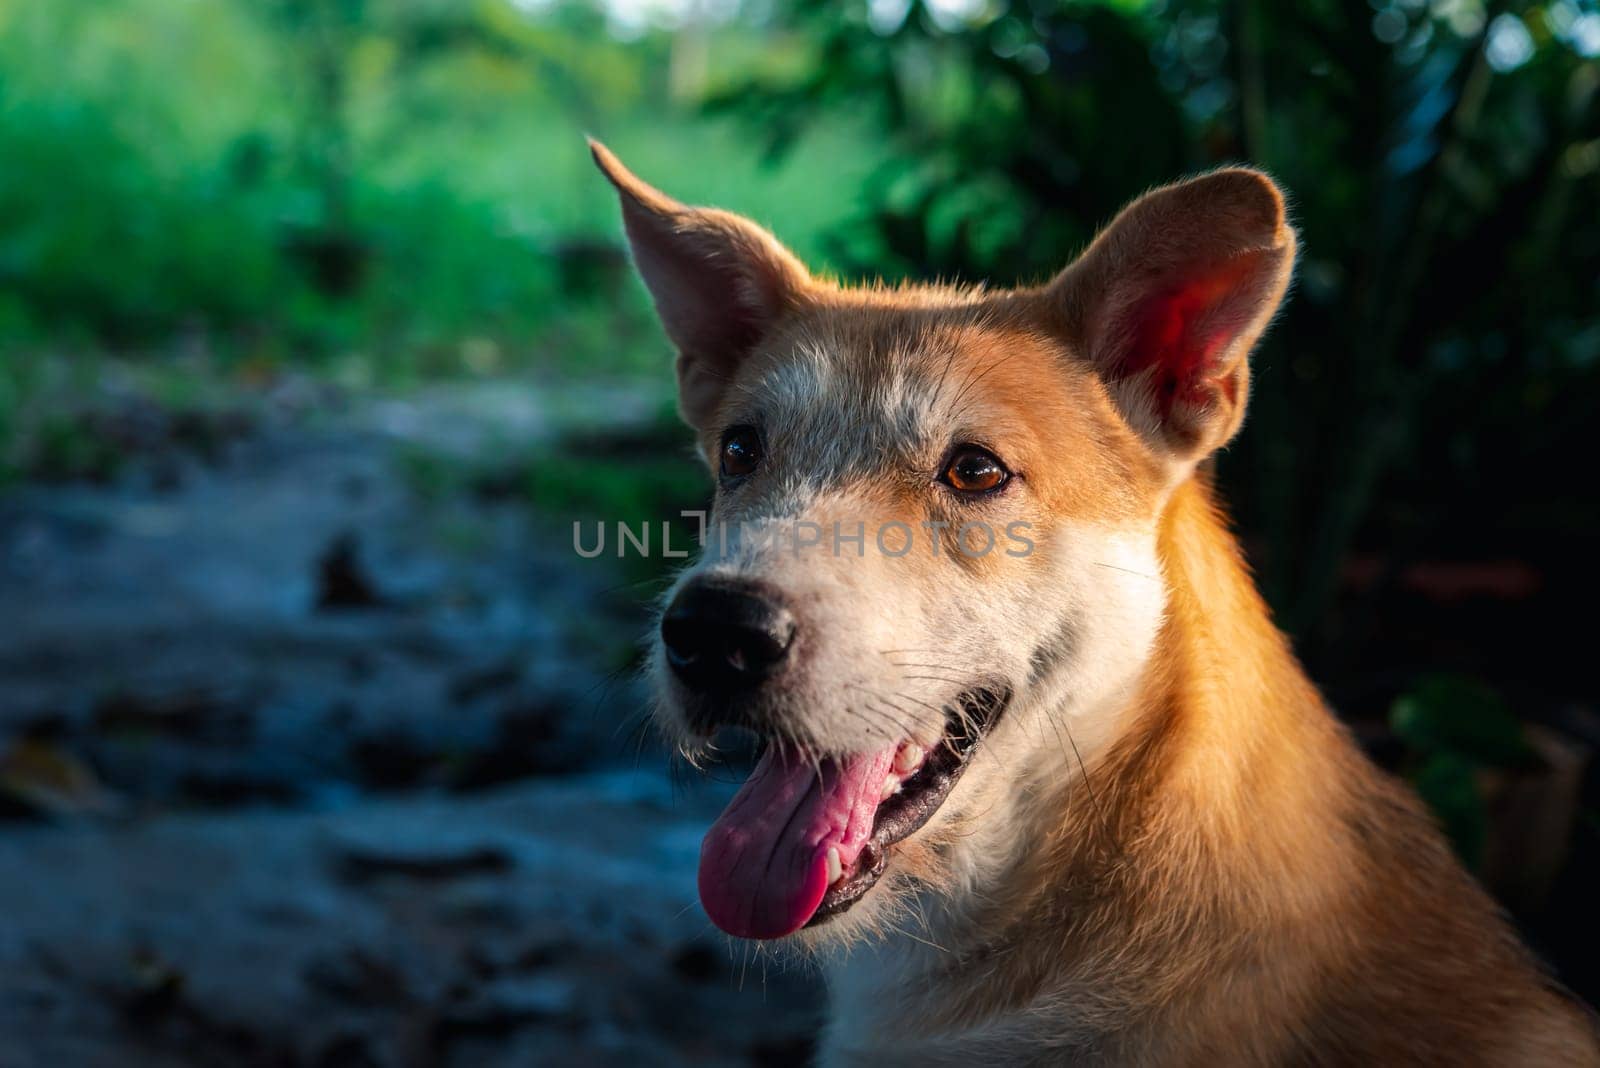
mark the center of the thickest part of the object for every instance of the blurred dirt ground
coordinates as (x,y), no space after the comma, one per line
(299,766)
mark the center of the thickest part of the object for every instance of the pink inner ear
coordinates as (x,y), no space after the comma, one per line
(1177,333)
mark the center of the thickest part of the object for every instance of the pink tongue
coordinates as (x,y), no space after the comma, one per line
(764,863)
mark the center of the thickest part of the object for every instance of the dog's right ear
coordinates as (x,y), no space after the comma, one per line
(719,281)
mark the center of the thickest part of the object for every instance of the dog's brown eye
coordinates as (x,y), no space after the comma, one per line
(741,451)
(974,470)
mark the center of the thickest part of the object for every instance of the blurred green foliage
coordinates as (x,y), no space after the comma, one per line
(1454,728)
(1452,714)
(380,191)
(398,186)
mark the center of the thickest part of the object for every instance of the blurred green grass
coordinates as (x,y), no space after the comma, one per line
(382,192)
(296,185)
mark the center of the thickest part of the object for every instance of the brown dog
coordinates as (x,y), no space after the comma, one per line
(1044,784)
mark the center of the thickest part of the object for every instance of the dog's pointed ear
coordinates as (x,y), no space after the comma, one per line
(1170,298)
(719,281)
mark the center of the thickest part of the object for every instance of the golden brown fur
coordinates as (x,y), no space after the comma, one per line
(1238,885)
(1181,858)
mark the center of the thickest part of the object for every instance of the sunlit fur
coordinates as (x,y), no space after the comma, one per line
(1167,851)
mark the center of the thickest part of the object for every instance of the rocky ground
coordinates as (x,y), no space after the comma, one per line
(299,765)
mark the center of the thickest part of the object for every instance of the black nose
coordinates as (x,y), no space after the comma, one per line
(721,638)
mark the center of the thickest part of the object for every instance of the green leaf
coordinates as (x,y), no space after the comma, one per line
(1450,714)
(1446,782)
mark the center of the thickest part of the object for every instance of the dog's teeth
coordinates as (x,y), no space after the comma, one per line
(891,784)
(908,758)
(835,868)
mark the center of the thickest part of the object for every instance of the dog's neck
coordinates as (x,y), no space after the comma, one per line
(1152,857)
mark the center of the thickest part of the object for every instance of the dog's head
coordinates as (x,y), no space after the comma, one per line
(930,573)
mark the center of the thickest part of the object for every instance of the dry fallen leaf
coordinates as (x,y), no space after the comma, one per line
(51,781)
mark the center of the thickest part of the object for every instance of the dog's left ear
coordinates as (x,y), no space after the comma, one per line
(719,281)
(1170,298)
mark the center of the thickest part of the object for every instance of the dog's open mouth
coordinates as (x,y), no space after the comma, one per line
(805,838)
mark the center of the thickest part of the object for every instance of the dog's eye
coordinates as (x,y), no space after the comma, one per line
(741,451)
(973,470)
